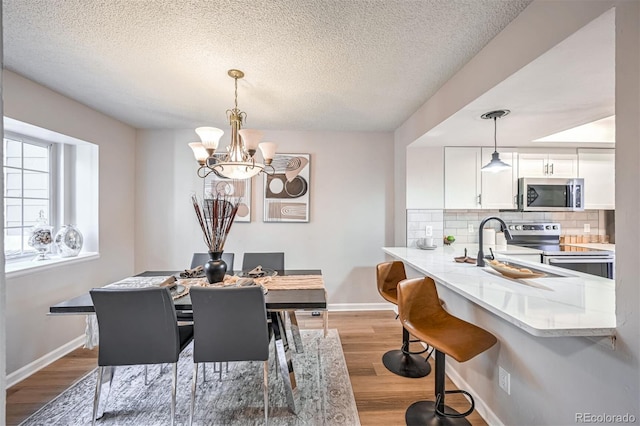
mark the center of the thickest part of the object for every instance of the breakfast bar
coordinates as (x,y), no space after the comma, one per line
(561,303)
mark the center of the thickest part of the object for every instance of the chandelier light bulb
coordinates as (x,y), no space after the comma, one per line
(210,136)
(251,138)
(268,150)
(199,152)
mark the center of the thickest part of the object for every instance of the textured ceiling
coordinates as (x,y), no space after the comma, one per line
(363,65)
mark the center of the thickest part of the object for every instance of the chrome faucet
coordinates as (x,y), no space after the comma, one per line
(503,228)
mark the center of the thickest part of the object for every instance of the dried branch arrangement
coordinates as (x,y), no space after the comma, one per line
(216,217)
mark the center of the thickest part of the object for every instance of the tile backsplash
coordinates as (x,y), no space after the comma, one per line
(456,222)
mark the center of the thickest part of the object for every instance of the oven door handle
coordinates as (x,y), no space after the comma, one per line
(575,259)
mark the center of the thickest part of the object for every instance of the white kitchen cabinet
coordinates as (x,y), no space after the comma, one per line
(466,187)
(462,178)
(548,163)
(499,190)
(425,178)
(597,168)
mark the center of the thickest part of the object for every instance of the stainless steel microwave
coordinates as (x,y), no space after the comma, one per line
(550,194)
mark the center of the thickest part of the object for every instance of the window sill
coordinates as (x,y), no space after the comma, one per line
(26,267)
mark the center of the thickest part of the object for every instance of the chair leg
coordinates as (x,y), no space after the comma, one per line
(173,393)
(436,412)
(404,363)
(204,371)
(193,391)
(265,390)
(146,382)
(96,396)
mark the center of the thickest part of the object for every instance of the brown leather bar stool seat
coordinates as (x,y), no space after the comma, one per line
(402,361)
(423,316)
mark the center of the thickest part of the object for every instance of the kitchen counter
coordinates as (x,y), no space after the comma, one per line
(570,304)
(596,246)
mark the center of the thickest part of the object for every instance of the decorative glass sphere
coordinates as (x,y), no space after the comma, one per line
(68,240)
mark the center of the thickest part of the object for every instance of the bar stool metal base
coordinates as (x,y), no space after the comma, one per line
(424,413)
(406,365)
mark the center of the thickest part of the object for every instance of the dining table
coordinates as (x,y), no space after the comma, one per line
(285,291)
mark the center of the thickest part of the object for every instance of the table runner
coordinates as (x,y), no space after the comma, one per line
(278,282)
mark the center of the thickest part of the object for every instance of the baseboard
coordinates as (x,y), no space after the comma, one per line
(337,307)
(481,407)
(24,372)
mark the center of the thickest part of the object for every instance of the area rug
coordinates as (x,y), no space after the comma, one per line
(326,396)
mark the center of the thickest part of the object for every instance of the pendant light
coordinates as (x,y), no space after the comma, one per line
(496,164)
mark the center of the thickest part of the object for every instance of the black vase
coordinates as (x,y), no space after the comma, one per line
(215,268)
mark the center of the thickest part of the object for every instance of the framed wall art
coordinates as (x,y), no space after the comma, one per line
(218,185)
(286,192)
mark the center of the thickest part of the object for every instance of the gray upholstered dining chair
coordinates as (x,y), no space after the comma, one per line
(230,324)
(138,326)
(199,259)
(270,260)
(275,261)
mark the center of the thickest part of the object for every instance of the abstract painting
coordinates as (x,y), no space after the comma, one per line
(286,191)
(214,184)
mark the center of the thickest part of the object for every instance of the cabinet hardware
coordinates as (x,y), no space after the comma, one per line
(480,199)
(546,169)
(551,168)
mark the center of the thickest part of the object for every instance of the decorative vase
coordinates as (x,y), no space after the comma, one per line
(40,240)
(68,240)
(215,268)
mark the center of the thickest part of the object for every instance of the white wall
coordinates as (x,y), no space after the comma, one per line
(552,379)
(3,293)
(31,334)
(351,208)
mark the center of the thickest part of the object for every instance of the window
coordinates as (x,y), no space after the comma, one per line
(28,175)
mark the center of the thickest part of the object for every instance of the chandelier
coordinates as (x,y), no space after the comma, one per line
(239,161)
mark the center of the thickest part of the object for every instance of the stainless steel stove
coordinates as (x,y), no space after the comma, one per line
(546,237)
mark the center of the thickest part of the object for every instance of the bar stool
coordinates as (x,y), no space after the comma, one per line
(422,314)
(402,361)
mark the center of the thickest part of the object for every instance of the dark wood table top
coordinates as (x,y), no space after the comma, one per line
(309,299)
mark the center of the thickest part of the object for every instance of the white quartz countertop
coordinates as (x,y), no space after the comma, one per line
(573,304)
(596,246)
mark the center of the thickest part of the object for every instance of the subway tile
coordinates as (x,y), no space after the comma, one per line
(421,216)
(457,224)
(467,216)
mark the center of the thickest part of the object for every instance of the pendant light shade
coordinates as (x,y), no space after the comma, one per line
(496,164)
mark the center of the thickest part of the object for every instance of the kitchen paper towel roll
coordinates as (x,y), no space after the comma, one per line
(489,236)
(501,239)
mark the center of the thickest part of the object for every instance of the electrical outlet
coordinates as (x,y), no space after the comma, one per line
(470,227)
(429,232)
(587,227)
(504,380)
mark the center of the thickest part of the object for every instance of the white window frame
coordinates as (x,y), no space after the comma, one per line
(76,201)
(54,193)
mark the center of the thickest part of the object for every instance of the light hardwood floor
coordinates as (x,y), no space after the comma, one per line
(381,396)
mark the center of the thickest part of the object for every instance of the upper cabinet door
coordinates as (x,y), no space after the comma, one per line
(597,168)
(560,163)
(425,178)
(461,178)
(499,189)
(532,164)
(563,165)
